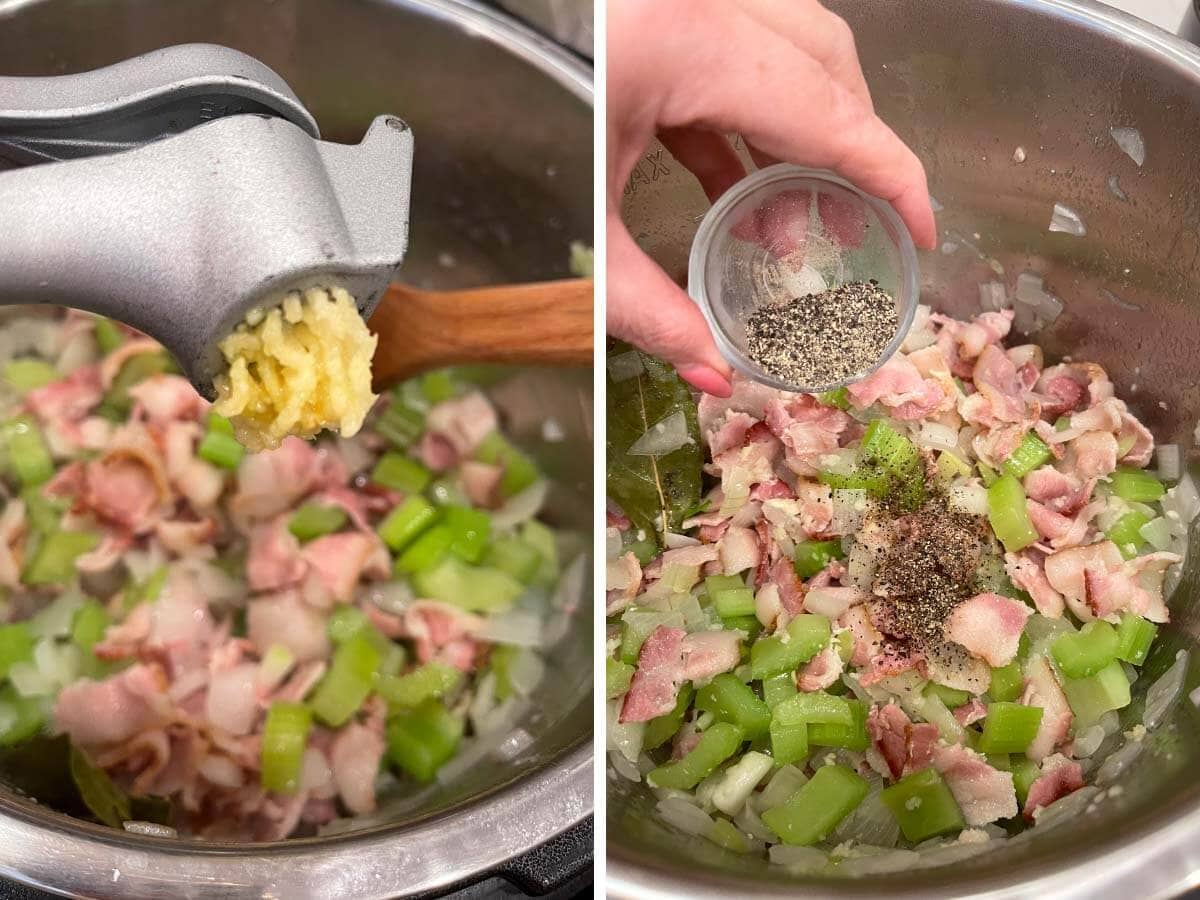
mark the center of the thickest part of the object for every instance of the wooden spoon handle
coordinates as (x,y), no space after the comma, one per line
(546,324)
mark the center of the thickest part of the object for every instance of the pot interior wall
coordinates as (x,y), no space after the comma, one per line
(502,185)
(965,84)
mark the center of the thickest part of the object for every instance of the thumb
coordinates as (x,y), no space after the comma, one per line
(650,311)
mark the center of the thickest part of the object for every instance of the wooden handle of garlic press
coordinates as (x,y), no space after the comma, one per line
(545,324)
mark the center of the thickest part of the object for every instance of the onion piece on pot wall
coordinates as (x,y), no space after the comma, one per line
(663,437)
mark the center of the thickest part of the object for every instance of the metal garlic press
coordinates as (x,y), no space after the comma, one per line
(177,190)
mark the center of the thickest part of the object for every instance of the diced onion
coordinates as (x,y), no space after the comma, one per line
(393,597)
(968,497)
(799,859)
(993,297)
(521,507)
(469,756)
(830,603)
(1182,500)
(1159,533)
(880,863)
(1114,188)
(514,744)
(1164,693)
(624,737)
(663,437)
(860,566)
(1169,461)
(150,829)
(526,673)
(622,766)
(1118,761)
(624,366)
(937,437)
(673,541)
(1089,742)
(684,815)
(849,509)
(740,780)
(1067,809)
(1131,143)
(518,627)
(612,543)
(1066,220)
(747,820)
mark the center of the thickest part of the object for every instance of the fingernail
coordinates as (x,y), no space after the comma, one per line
(706,379)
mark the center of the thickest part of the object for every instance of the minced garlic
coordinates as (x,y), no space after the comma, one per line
(297,369)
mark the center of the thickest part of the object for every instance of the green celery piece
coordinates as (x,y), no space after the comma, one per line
(719,742)
(851,737)
(218,423)
(1126,533)
(21,718)
(349,680)
(1007,682)
(145,591)
(401,473)
(725,834)
(285,737)
(428,681)
(1030,454)
(25,375)
(518,558)
(987,474)
(439,386)
(346,621)
(134,370)
(426,552)
(778,688)
(1136,485)
(807,635)
(519,470)
(406,522)
(617,677)
(816,809)
(749,624)
(446,491)
(313,520)
(636,626)
(220,449)
(737,603)
(656,493)
(16,645)
(843,645)
(87,627)
(54,560)
(28,455)
(950,467)
(661,729)
(949,696)
(813,556)
(1091,697)
(881,443)
(1008,514)
(732,701)
(1009,727)
(644,551)
(1087,651)
(43,513)
(1025,772)
(923,806)
(789,741)
(1134,637)
(838,397)
(716,583)
(867,478)
(500,662)
(402,422)
(541,537)
(471,529)
(814,707)
(473,588)
(108,335)
(421,740)
(103,798)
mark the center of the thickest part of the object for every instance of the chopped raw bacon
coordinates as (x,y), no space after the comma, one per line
(285,619)
(1092,455)
(624,579)
(463,422)
(354,758)
(807,430)
(1042,689)
(1097,583)
(970,713)
(1057,490)
(984,794)
(729,433)
(1025,571)
(95,713)
(989,626)
(70,398)
(1141,450)
(899,385)
(166,398)
(1059,776)
(659,674)
(274,561)
(738,550)
(709,653)
(791,590)
(868,642)
(821,671)
(340,560)
(904,747)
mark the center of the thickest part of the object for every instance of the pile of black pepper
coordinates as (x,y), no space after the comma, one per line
(823,338)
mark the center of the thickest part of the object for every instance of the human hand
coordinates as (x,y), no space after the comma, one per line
(782,73)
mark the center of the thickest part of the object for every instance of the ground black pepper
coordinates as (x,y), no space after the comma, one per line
(821,339)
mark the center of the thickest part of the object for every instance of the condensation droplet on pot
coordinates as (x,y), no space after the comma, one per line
(1131,143)
(949,247)
(447,260)
(1066,220)
(1019,155)
(1117,301)
(1114,188)
(552,431)
(933,202)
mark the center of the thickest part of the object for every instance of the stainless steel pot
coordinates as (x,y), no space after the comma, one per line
(966,84)
(502,185)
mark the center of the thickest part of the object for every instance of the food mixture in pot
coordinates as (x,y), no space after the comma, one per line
(905,618)
(248,646)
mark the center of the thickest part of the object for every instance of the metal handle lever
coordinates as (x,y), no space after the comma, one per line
(137,101)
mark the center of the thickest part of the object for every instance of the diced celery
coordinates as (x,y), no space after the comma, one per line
(1025,772)
(542,539)
(285,737)
(346,621)
(949,467)
(404,523)
(816,809)
(851,737)
(135,369)
(864,478)
(732,701)
(814,707)
(1087,651)
(1007,682)
(789,741)
(1009,727)
(470,529)
(54,560)
(402,422)
(1091,697)
(401,473)
(108,335)
(617,676)
(1008,514)
(838,397)
(1126,533)
(725,834)
(1134,637)
(21,718)
(16,645)
(349,680)
(735,603)
(426,552)
(518,558)
(428,681)
(27,453)
(987,474)
(519,470)
(25,374)
(421,740)
(778,688)
(87,627)
(1030,454)
(312,520)
(949,696)
(807,635)
(715,583)
(221,450)
(813,556)
(661,729)
(923,806)
(145,591)
(43,513)
(1136,485)
(473,588)
(719,742)
(439,386)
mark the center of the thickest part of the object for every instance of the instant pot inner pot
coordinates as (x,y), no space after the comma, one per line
(966,84)
(502,185)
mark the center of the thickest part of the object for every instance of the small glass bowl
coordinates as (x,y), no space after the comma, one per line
(784,232)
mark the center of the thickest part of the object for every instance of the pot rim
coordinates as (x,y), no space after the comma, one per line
(1156,860)
(58,853)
